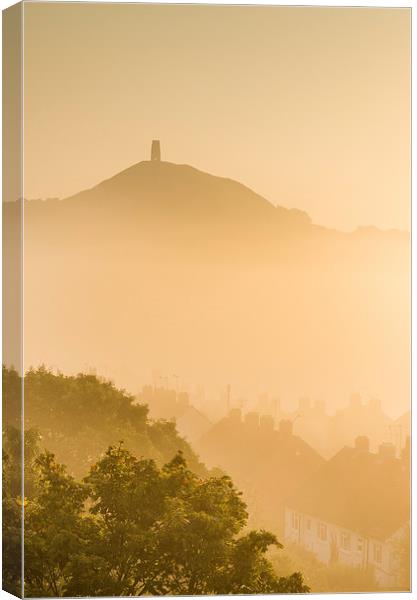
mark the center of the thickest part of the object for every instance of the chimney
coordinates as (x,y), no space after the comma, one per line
(252,420)
(156,150)
(375,404)
(362,443)
(235,415)
(285,427)
(276,407)
(355,401)
(266,423)
(263,403)
(304,404)
(387,451)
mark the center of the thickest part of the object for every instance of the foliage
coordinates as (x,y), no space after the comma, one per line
(321,577)
(78,417)
(12,500)
(12,457)
(156,525)
(12,397)
(133,528)
(55,529)
(401,545)
(12,532)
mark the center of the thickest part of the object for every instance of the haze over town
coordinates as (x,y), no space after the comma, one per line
(216,301)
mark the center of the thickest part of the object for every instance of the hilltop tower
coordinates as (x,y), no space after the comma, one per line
(156,150)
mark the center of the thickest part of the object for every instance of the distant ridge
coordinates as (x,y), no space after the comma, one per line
(156,186)
(168,189)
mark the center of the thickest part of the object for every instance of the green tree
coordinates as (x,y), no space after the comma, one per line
(55,529)
(11,531)
(321,577)
(13,501)
(401,549)
(64,409)
(132,528)
(11,396)
(12,450)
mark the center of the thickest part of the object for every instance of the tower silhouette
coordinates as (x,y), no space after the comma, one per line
(156,150)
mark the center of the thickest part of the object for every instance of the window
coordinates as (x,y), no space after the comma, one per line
(322,532)
(345,541)
(295,521)
(378,553)
(359,546)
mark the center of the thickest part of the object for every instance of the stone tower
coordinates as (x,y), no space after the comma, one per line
(156,150)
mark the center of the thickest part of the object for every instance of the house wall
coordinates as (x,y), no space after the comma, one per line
(329,542)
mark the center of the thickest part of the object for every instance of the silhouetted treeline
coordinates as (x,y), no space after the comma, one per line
(78,417)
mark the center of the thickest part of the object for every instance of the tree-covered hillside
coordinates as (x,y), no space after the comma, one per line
(78,418)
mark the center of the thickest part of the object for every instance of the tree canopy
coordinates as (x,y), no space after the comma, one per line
(78,417)
(104,517)
(131,527)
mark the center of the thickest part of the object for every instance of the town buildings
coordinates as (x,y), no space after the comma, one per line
(355,510)
(265,463)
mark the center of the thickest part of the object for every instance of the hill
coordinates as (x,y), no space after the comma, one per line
(164,266)
(163,194)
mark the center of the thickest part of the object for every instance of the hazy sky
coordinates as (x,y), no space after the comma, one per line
(307,106)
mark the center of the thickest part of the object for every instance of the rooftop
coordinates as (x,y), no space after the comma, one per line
(360,491)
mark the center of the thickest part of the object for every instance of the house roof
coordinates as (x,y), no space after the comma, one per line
(192,424)
(274,462)
(359,491)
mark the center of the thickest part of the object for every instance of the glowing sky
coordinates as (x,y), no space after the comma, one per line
(310,107)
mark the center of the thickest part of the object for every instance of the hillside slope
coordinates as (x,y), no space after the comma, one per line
(165,267)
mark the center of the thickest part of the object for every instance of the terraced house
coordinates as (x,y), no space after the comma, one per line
(355,510)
